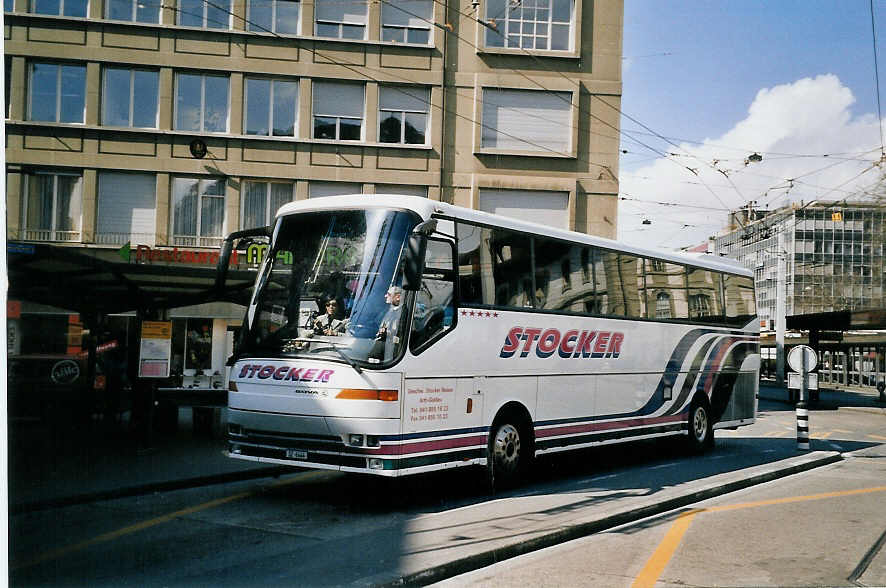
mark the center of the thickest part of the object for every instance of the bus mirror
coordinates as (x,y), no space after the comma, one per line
(414,259)
(224,258)
(427,227)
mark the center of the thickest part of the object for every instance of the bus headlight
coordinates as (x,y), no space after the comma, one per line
(376,464)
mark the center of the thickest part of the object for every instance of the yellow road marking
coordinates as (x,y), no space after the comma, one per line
(822,435)
(656,564)
(110,536)
(791,499)
(877,436)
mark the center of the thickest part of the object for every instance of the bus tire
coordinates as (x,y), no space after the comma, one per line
(510,451)
(701,426)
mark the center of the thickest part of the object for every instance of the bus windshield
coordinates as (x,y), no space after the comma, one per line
(330,287)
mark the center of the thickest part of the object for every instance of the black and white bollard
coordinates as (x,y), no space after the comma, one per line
(802,427)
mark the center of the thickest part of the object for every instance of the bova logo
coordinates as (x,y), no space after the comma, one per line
(571,344)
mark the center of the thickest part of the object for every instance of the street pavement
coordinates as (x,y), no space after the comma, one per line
(822,528)
(49,469)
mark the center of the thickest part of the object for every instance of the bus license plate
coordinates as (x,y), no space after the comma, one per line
(296,454)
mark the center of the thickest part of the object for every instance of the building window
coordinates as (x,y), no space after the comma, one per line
(402,189)
(7,70)
(539,206)
(407,21)
(60,7)
(278,16)
(699,305)
(271,107)
(57,92)
(566,272)
(403,114)
(207,15)
(662,306)
(544,25)
(320,189)
(198,212)
(8,5)
(527,120)
(261,200)
(130,97)
(338,111)
(133,10)
(126,209)
(201,103)
(341,19)
(52,208)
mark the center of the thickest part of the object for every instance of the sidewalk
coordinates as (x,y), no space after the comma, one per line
(51,467)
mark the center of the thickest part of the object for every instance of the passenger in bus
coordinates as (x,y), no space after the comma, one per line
(329,323)
(387,336)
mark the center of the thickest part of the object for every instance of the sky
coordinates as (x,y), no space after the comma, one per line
(708,83)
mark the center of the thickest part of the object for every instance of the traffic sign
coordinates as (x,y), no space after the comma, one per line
(795,381)
(795,358)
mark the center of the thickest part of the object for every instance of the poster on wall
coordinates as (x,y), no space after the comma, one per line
(155,352)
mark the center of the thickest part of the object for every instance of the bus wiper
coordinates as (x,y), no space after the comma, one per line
(335,347)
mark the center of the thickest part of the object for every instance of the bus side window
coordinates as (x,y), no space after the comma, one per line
(434,312)
(740,302)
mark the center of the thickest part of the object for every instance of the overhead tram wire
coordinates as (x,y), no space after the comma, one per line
(554,93)
(364,76)
(591,115)
(527,78)
(877,86)
(629,198)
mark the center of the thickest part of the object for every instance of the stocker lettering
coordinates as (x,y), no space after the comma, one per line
(571,344)
(284,373)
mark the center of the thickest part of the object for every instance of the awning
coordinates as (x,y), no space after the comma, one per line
(841,320)
(93,281)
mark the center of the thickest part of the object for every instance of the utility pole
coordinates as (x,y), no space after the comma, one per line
(780,294)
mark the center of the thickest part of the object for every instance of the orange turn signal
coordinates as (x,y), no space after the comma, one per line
(360,394)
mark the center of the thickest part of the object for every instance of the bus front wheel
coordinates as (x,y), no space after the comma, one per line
(701,427)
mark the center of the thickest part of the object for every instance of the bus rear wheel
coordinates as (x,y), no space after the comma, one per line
(507,455)
(701,427)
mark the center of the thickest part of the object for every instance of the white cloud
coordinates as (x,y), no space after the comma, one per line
(793,126)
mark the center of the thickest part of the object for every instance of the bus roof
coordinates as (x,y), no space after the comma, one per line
(427,209)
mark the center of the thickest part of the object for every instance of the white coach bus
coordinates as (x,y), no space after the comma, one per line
(394,335)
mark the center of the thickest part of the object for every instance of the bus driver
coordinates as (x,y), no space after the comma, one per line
(327,324)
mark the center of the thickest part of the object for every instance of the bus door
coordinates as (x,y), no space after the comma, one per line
(450,403)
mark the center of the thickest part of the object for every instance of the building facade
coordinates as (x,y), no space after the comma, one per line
(833,260)
(140,126)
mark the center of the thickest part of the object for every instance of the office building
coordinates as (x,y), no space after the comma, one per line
(141,132)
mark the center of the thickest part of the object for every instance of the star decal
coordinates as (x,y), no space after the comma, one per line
(480,313)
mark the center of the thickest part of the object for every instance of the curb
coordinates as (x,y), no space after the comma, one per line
(870,409)
(767,473)
(149,488)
